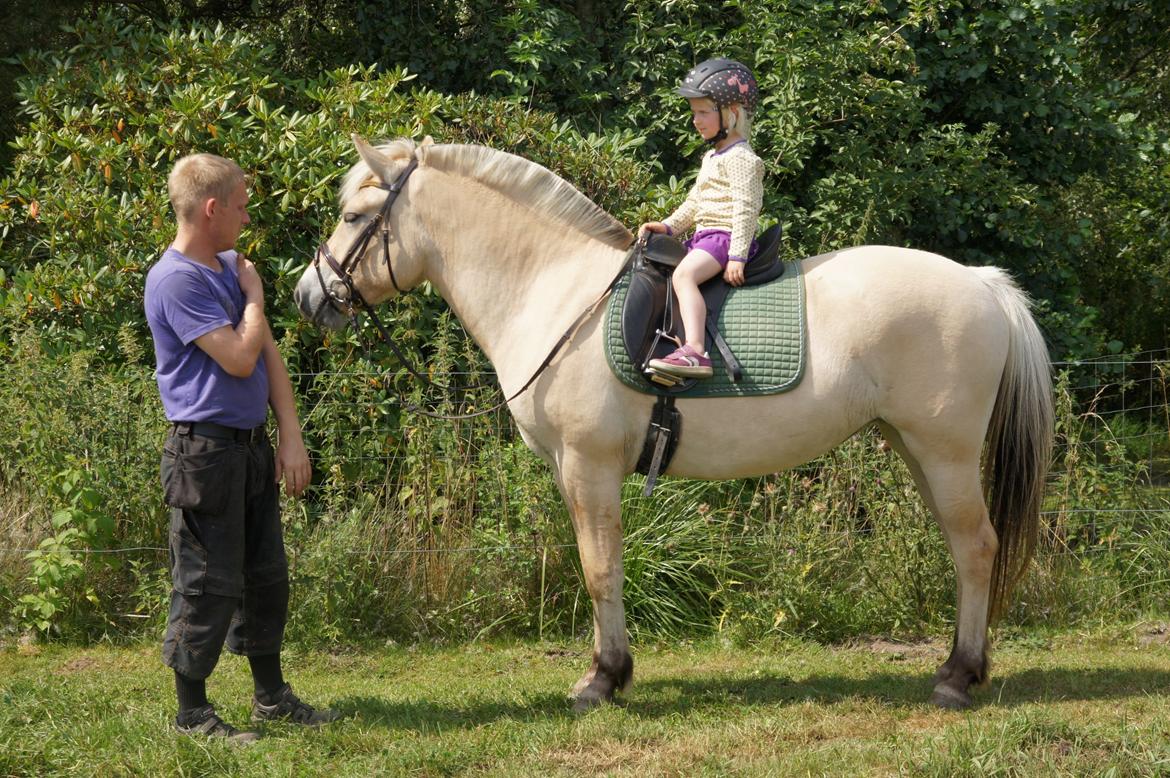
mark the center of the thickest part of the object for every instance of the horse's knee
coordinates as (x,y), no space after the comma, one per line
(604,582)
(975,553)
(988,542)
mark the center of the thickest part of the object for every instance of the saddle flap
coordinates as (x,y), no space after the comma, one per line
(644,307)
(663,250)
(765,264)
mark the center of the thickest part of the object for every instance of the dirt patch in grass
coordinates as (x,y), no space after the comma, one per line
(897,650)
(561,653)
(80,664)
(1157,634)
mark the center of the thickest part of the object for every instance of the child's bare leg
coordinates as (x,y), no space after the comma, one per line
(696,267)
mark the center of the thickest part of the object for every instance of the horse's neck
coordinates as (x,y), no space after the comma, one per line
(516,281)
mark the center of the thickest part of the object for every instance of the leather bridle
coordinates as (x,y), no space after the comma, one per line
(353,256)
(346,307)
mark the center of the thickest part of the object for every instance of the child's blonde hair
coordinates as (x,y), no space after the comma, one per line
(740,121)
(199,177)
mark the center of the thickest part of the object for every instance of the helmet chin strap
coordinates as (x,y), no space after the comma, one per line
(719,135)
(722,130)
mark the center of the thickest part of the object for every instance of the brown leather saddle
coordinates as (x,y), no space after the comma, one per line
(651,327)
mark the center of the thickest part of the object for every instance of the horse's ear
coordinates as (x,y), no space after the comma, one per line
(426,141)
(379,163)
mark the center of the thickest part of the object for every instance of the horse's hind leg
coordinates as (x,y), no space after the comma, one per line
(592,491)
(950,485)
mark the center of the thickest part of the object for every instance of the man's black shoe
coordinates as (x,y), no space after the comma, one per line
(289,708)
(205,721)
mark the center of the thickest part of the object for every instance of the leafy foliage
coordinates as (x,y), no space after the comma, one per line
(1031,136)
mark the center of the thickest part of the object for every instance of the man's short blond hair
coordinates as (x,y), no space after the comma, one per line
(199,177)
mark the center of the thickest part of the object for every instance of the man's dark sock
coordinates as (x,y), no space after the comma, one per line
(192,693)
(266,677)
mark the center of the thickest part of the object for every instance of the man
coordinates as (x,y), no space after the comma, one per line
(218,371)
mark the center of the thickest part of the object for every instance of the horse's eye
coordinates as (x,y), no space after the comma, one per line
(350,218)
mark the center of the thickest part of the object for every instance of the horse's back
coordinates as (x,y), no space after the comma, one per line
(923,335)
(886,293)
(881,273)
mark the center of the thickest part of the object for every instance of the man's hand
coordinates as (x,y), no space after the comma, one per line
(734,273)
(250,283)
(292,463)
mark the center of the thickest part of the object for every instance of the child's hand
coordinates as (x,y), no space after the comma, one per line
(658,227)
(734,273)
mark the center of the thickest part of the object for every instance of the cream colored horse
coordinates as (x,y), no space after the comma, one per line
(941,356)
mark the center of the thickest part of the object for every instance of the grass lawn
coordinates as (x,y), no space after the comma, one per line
(1072,704)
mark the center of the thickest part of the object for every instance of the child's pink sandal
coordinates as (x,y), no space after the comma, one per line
(685,362)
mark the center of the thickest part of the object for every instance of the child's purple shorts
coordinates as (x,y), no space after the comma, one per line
(716,243)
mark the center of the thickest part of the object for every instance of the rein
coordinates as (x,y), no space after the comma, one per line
(344,272)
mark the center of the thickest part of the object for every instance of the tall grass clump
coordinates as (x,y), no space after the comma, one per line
(1106,531)
(79,451)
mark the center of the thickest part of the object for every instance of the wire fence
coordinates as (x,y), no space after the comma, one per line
(1121,402)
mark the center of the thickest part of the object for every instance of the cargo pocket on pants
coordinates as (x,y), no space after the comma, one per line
(196,480)
(188,559)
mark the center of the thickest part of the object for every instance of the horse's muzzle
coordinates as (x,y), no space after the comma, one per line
(314,305)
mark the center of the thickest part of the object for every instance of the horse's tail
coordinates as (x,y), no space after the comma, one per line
(1019,440)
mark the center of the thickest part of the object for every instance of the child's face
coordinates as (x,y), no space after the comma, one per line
(705,116)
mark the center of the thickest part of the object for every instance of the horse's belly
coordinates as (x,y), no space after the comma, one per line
(744,437)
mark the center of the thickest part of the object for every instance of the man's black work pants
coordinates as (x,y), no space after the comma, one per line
(229,573)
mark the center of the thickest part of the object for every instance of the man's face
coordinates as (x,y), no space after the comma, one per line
(230,216)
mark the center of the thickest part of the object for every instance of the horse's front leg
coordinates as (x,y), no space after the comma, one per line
(592,490)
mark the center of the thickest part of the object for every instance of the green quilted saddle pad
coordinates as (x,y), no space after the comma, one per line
(764,326)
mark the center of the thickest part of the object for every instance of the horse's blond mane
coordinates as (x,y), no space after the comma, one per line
(520,179)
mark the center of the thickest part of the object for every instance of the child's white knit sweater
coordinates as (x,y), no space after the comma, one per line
(727,195)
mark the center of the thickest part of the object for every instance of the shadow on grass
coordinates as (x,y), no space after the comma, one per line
(1007,690)
(662,697)
(428,716)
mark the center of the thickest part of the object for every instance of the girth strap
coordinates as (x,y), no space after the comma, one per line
(662,438)
(734,368)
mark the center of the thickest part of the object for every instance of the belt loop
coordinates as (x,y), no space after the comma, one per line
(182,428)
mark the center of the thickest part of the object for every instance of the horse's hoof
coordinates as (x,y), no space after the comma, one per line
(950,699)
(584,703)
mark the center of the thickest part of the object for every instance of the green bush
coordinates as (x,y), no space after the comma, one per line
(420,530)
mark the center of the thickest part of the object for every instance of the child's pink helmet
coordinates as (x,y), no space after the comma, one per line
(725,81)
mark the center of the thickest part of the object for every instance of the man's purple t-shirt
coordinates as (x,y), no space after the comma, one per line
(185,300)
